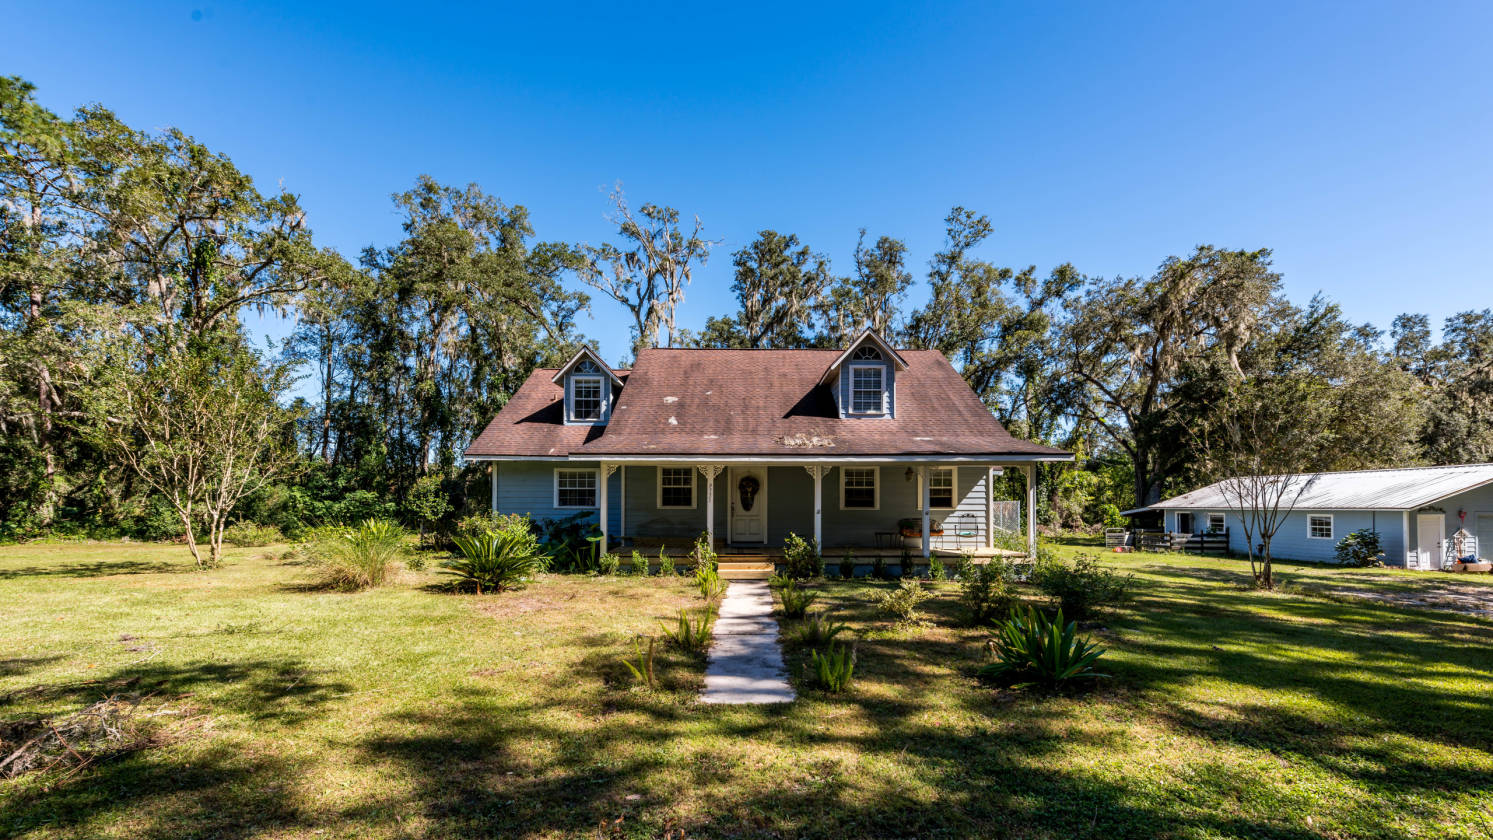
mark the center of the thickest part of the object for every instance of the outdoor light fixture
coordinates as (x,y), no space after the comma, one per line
(911,474)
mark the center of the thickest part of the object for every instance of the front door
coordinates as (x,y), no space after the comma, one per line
(748,488)
(1430,530)
(1184,523)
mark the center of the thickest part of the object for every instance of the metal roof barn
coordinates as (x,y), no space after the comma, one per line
(1397,489)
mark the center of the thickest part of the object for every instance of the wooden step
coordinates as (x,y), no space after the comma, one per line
(745,569)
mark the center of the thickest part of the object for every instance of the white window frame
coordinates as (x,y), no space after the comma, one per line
(595,489)
(953,489)
(601,400)
(1331,527)
(880,409)
(875,487)
(1223,523)
(659,489)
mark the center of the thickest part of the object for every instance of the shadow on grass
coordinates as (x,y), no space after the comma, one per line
(100,568)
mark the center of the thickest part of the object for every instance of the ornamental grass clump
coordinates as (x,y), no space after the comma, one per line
(1032,650)
(360,557)
(691,636)
(492,563)
(832,669)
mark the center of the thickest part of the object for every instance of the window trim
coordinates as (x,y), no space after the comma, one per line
(1331,526)
(595,489)
(658,489)
(881,410)
(601,407)
(953,489)
(875,487)
(1223,519)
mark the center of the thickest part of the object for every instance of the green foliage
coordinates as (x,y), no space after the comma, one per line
(1111,517)
(704,552)
(902,603)
(357,558)
(493,563)
(802,558)
(643,670)
(573,543)
(691,636)
(665,563)
(832,669)
(987,591)
(608,564)
(936,569)
(815,630)
(795,600)
(1032,650)
(252,535)
(639,564)
(1360,548)
(1081,587)
(712,588)
(847,566)
(878,569)
(427,502)
(908,568)
(507,525)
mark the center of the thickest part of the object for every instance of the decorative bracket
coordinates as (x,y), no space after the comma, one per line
(710,471)
(817,470)
(607,469)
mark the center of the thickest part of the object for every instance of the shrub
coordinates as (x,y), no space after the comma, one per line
(608,564)
(832,669)
(802,558)
(252,535)
(643,670)
(795,600)
(909,566)
(987,592)
(487,523)
(665,563)
(415,562)
(639,564)
(690,636)
(902,603)
(847,566)
(360,557)
(936,569)
(878,569)
(1080,588)
(704,552)
(1031,649)
(1361,548)
(427,502)
(815,630)
(1112,517)
(712,588)
(494,563)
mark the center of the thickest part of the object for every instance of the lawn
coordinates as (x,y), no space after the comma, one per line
(405,712)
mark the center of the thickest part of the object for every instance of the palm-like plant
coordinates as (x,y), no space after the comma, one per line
(816,629)
(832,669)
(795,599)
(690,636)
(1032,649)
(492,562)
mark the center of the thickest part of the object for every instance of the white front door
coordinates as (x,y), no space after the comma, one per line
(1430,530)
(748,490)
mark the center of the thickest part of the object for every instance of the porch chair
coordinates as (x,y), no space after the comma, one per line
(966,527)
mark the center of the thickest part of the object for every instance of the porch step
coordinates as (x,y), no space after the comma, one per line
(745,569)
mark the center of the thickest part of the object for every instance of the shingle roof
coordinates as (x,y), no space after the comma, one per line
(1397,489)
(755,402)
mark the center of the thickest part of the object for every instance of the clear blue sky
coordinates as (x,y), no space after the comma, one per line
(1356,139)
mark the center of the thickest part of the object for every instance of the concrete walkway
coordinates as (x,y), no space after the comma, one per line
(746,664)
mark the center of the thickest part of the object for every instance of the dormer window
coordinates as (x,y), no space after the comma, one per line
(867,389)
(585,398)
(866,353)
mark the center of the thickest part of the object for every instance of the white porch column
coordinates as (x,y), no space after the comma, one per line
(710,471)
(990,507)
(601,498)
(1405,539)
(1031,511)
(494,474)
(927,496)
(818,471)
(622,504)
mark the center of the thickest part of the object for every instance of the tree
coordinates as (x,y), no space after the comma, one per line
(1129,342)
(650,270)
(867,299)
(1459,426)
(200,423)
(777,283)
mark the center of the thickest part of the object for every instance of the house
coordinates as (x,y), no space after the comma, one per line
(864,448)
(1426,517)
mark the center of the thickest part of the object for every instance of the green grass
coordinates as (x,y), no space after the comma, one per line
(405,712)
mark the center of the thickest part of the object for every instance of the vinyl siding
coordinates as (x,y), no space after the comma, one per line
(1472,502)
(528,487)
(841,387)
(1291,541)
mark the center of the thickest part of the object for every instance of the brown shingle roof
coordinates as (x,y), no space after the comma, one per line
(754,402)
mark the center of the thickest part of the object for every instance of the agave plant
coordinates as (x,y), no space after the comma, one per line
(1032,649)
(493,562)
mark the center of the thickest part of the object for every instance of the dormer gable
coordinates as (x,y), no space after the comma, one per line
(590,388)
(863,378)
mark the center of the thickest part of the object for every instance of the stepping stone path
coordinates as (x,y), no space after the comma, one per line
(746,663)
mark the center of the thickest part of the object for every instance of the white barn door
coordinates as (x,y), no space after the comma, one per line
(1430,532)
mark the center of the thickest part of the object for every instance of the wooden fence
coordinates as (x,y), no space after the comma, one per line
(1144,540)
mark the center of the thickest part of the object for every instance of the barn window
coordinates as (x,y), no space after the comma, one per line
(1319,526)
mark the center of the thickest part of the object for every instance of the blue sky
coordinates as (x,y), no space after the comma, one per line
(1356,140)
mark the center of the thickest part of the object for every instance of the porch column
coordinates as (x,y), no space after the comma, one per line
(710,471)
(927,496)
(601,498)
(990,507)
(1031,511)
(622,504)
(818,471)
(1405,539)
(494,474)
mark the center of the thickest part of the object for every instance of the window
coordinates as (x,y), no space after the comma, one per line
(575,488)
(1319,526)
(585,398)
(866,353)
(676,487)
(940,488)
(865,389)
(858,488)
(1215,523)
